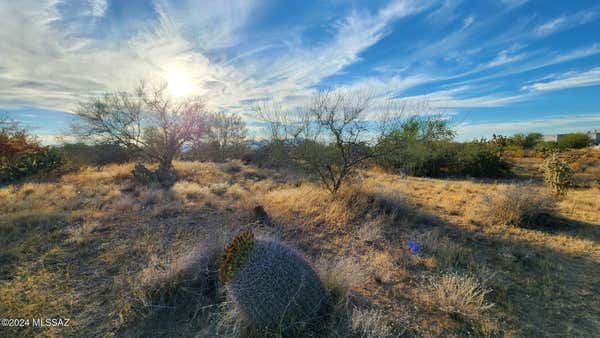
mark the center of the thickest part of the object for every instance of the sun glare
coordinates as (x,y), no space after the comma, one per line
(179,83)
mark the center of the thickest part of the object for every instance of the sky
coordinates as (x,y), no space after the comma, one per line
(497,66)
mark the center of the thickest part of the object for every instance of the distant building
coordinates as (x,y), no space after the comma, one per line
(551,137)
(594,135)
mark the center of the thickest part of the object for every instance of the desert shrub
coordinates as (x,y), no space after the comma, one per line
(77,155)
(574,141)
(523,141)
(144,176)
(273,154)
(513,150)
(271,285)
(418,147)
(21,155)
(424,147)
(332,164)
(146,120)
(225,139)
(479,159)
(545,147)
(451,159)
(459,295)
(28,164)
(518,205)
(558,175)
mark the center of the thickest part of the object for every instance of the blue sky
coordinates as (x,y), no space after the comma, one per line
(501,66)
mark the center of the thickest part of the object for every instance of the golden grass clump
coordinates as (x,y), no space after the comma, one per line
(190,191)
(458,295)
(518,205)
(447,252)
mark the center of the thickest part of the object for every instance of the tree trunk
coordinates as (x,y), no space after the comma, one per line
(165,173)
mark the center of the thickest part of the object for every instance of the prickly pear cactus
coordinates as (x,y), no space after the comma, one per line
(271,285)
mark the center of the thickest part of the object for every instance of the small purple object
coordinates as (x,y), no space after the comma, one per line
(413,247)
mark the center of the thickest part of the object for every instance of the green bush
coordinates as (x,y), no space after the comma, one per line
(481,160)
(523,141)
(29,164)
(444,158)
(545,147)
(271,285)
(274,154)
(574,141)
(22,155)
(419,147)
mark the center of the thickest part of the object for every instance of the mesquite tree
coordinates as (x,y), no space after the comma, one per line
(329,136)
(146,120)
(334,138)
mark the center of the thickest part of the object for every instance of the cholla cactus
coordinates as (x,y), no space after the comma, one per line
(557,174)
(272,286)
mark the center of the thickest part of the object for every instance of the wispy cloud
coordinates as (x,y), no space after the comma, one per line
(50,67)
(556,123)
(443,52)
(513,3)
(506,56)
(98,7)
(566,22)
(211,24)
(569,80)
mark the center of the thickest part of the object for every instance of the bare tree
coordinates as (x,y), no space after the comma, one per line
(336,136)
(335,133)
(284,127)
(226,131)
(146,120)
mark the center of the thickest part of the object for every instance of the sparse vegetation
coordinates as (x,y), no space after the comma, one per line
(397,256)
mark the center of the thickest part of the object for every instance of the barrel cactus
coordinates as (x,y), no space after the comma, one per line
(271,285)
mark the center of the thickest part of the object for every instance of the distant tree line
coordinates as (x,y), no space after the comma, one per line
(330,138)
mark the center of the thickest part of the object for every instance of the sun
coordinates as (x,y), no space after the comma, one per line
(179,83)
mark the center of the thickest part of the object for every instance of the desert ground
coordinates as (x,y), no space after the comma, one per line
(402,256)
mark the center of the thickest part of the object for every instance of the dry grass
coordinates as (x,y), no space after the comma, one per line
(458,295)
(518,205)
(400,256)
(370,324)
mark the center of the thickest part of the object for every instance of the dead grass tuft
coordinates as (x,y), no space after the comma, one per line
(520,205)
(458,295)
(370,324)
